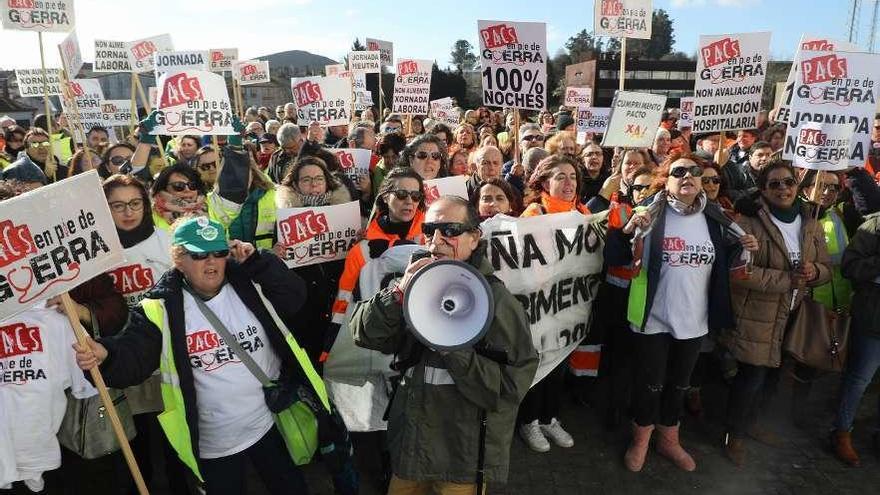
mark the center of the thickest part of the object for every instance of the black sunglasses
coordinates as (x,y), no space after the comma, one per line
(679,172)
(203,256)
(533,137)
(207,165)
(448,229)
(785,183)
(402,194)
(639,187)
(711,180)
(435,155)
(182,186)
(118,160)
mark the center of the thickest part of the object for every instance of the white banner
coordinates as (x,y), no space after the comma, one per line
(87,95)
(140,52)
(385,48)
(552,265)
(354,162)
(43,255)
(823,146)
(622,18)
(634,119)
(455,185)
(71,57)
(326,100)
(111,56)
(318,234)
(38,15)
(444,111)
(729,81)
(30,82)
(513,58)
(366,62)
(248,72)
(835,88)
(412,87)
(116,112)
(193,102)
(578,97)
(333,69)
(222,59)
(170,62)
(593,119)
(686,117)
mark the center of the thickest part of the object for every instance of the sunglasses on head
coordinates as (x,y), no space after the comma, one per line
(447,229)
(208,166)
(435,155)
(785,183)
(679,172)
(402,194)
(182,186)
(203,256)
(711,180)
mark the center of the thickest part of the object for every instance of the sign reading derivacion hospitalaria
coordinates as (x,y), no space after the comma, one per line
(116,112)
(193,102)
(111,56)
(30,82)
(248,72)
(623,18)
(822,146)
(222,59)
(87,95)
(729,81)
(326,100)
(412,87)
(634,119)
(38,15)
(71,57)
(366,62)
(513,57)
(385,48)
(835,87)
(140,52)
(319,234)
(578,97)
(181,61)
(43,255)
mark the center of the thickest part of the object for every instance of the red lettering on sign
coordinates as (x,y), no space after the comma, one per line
(248,69)
(432,193)
(818,45)
(303,226)
(372,46)
(306,92)
(18,339)
(143,49)
(180,89)
(720,51)
(824,68)
(612,7)
(21,4)
(216,56)
(108,107)
(814,137)
(346,159)
(132,278)
(201,341)
(673,244)
(75,88)
(15,242)
(407,67)
(499,35)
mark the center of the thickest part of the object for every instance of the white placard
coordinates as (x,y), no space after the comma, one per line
(30,82)
(169,62)
(38,15)
(222,59)
(412,87)
(354,162)
(366,62)
(248,72)
(823,146)
(578,97)
(622,18)
(318,234)
(513,57)
(87,95)
(334,69)
(634,119)
(193,102)
(116,112)
(593,119)
(363,98)
(455,185)
(385,48)
(140,52)
(111,56)
(444,111)
(326,100)
(686,108)
(71,57)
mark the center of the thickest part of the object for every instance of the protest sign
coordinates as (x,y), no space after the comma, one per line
(686,107)
(514,64)
(455,185)
(363,98)
(318,234)
(140,52)
(807,42)
(354,162)
(71,57)
(443,110)
(622,18)
(634,119)
(111,56)
(38,15)
(835,87)
(366,62)
(153,95)
(333,69)
(578,97)
(729,81)
(43,255)
(551,264)
(385,48)
(116,112)
(222,59)
(412,87)
(169,62)
(87,95)
(248,72)
(822,146)
(326,100)
(30,82)
(193,102)
(592,119)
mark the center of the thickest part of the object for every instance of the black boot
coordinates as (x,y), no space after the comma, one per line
(799,394)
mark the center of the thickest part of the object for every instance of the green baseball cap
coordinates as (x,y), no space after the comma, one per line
(200,235)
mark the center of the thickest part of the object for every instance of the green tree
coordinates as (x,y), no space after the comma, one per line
(357,46)
(462,56)
(583,46)
(661,42)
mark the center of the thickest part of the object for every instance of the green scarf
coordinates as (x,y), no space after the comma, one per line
(786,215)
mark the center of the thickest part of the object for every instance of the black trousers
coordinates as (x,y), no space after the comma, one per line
(543,401)
(663,373)
(751,391)
(269,457)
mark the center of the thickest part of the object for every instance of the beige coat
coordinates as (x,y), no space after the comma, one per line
(762,302)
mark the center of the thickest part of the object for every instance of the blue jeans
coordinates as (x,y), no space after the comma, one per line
(861,364)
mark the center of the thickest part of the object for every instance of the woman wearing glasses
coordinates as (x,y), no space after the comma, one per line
(792,255)
(427,156)
(207,162)
(679,293)
(178,191)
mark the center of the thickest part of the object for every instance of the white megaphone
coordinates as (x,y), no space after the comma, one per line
(448,305)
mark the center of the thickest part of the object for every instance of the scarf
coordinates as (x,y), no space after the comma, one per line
(316,199)
(786,215)
(556,205)
(685,209)
(400,229)
(171,208)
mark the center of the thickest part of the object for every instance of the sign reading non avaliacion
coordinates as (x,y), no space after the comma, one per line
(513,57)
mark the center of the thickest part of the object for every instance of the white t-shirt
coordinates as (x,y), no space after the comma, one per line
(791,233)
(36,365)
(681,303)
(8,472)
(146,262)
(232,409)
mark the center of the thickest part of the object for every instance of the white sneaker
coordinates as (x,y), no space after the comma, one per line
(559,436)
(532,436)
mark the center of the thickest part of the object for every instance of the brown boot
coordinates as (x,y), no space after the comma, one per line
(634,458)
(841,441)
(669,447)
(735,450)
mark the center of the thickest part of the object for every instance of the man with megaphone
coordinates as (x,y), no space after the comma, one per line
(452,417)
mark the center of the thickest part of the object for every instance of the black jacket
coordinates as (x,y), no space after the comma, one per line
(861,265)
(134,354)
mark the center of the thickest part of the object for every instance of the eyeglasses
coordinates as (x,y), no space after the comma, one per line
(118,160)
(533,137)
(785,183)
(182,186)
(208,166)
(402,194)
(639,187)
(43,144)
(447,229)
(435,155)
(133,205)
(593,153)
(203,256)
(712,180)
(679,172)
(315,180)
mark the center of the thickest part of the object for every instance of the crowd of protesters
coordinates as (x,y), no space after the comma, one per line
(669,315)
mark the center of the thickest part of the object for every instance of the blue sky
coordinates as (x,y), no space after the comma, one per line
(419,29)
